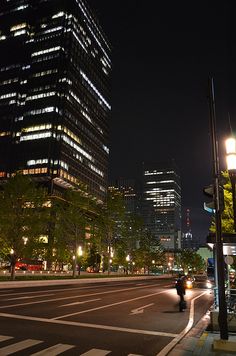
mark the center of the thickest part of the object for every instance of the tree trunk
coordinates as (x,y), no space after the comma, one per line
(74,268)
(13,271)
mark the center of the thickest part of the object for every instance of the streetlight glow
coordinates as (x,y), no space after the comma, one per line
(230,145)
(80,251)
(231,161)
(128,258)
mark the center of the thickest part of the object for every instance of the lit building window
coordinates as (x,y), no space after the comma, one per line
(95,169)
(37,161)
(8,95)
(95,89)
(37,128)
(5,133)
(59,14)
(18,33)
(35,171)
(49,50)
(40,96)
(38,136)
(18,26)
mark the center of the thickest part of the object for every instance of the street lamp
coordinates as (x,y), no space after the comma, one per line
(230,145)
(127,258)
(80,254)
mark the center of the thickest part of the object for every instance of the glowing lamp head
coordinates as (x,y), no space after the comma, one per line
(231,162)
(230,145)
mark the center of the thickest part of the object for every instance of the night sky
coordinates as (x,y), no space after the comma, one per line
(163,54)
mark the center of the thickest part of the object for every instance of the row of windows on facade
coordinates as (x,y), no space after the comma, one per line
(65,138)
(70,17)
(154,172)
(83,40)
(86,81)
(43,111)
(44,170)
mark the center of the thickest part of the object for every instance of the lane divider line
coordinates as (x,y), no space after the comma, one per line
(73,297)
(108,305)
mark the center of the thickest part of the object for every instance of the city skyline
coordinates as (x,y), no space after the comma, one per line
(163,56)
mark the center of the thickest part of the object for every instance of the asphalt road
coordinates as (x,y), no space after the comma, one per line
(95,319)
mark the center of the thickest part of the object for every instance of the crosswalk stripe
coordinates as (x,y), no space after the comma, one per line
(4,338)
(18,346)
(134,355)
(96,352)
(54,350)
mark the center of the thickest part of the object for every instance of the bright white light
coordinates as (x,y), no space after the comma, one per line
(80,251)
(231,161)
(230,145)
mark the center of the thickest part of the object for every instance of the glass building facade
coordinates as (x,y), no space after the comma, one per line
(55,75)
(162,203)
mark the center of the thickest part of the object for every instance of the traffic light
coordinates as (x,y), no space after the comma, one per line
(209,191)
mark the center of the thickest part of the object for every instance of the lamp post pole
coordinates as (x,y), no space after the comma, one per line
(222,318)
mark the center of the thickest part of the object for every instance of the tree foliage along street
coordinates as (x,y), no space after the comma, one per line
(23,215)
(73,229)
(190,260)
(227,216)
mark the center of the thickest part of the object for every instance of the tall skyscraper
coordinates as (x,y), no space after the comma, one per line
(131,193)
(55,75)
(162,203)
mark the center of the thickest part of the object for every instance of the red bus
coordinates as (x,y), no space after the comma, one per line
(29,265)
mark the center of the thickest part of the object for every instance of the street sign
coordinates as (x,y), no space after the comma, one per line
(229,260)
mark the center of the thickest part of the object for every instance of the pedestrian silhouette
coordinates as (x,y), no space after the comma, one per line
(180,288)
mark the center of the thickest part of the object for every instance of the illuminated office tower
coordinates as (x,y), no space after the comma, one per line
(130,190)
(162,203)
(55,74)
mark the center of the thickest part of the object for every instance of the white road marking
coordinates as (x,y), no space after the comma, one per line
(75,303)
(140,309)
(72,297)
(96,352)
(45,291)
(18,346)
(180,336)
(134,355)
(29,297)
(108,305)
(86,325)
(68,289)
(54,350)
(5,338)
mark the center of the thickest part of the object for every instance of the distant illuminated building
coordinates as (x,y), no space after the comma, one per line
(187,238)
(162,203)
(130,192)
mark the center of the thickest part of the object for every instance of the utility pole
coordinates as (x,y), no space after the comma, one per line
(222,318)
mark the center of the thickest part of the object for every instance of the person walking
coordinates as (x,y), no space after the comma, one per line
(180,288)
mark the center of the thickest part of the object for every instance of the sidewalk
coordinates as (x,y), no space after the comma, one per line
(199,341)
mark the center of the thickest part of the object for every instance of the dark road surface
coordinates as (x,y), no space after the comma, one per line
(138,317)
